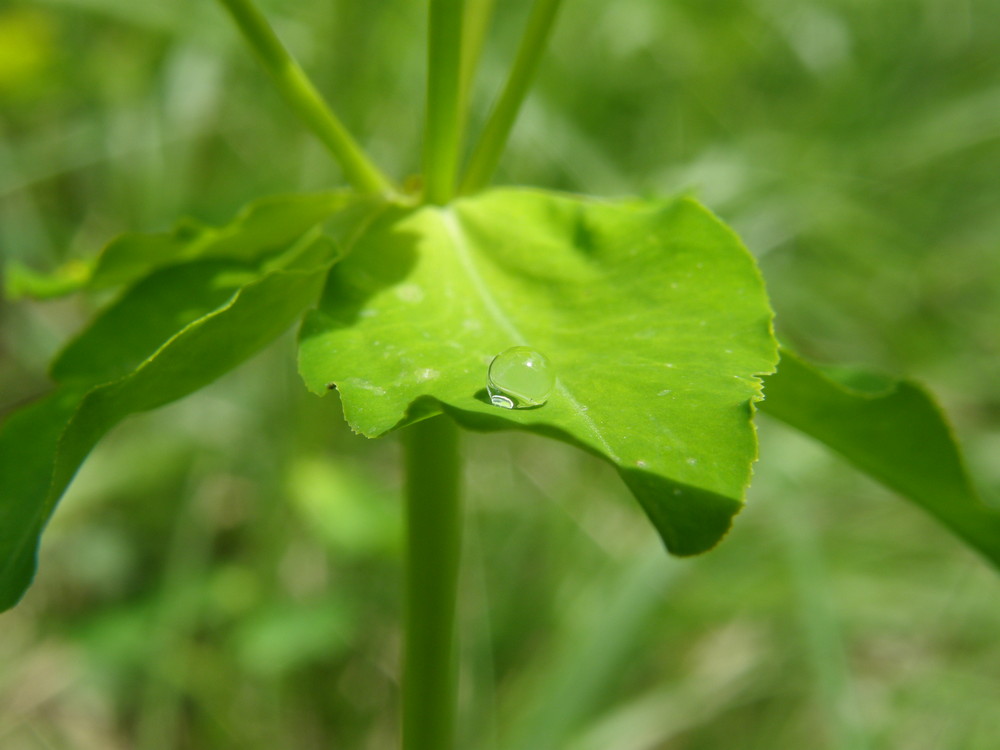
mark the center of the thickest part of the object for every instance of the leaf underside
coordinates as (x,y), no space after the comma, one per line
(652,313)
(894,432)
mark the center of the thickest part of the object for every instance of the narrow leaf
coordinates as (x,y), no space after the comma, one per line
(261,229)
(652,313)
(892,431)
(132,328)
(42,446)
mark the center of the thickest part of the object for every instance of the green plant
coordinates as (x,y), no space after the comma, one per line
(652,313)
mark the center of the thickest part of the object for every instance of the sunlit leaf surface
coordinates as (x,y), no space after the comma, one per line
(652,314)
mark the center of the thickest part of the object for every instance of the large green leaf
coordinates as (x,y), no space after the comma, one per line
(891,430)
(652,313)
(262,228)
(171,334)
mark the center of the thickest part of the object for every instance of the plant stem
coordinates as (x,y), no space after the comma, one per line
(475,24)
(486,155)
(305,100)
(434,533)
(442,139)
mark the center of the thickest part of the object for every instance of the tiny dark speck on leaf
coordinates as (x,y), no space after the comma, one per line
(331,386)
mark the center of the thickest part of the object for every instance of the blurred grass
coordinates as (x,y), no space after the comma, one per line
(224,573)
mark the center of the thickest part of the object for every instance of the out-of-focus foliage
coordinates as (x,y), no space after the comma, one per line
(197,592)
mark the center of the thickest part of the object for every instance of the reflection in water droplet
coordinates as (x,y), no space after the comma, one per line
(520,378)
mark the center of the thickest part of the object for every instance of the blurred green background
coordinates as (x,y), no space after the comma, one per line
(224,573)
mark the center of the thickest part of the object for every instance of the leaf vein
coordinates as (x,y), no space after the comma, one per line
(496,311)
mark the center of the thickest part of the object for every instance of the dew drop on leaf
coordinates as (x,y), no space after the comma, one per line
(520,378)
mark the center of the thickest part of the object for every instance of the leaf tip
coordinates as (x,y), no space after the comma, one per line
(690,520)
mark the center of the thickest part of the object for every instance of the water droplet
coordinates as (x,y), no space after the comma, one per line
(520,378)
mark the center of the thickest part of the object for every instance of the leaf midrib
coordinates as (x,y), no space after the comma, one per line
(495,310)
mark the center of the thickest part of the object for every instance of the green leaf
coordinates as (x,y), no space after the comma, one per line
(28,442)
(125,333)
(116,368)
(262,228)
(652,313)
(892,431)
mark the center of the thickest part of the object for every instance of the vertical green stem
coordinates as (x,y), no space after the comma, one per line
(442,139)
(434,533)
(486,155)
(476,23)
(304,99)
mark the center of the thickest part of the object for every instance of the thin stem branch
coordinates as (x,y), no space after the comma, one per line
(475,25)
(434,533)
(442,139)
(486,156)
(305,100)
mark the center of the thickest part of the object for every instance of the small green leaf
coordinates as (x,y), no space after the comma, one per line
(262,228)
(892,431)
(232,316)
(652,314)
